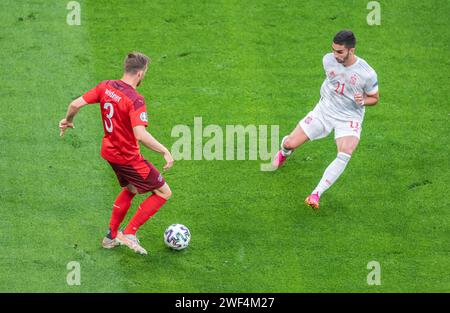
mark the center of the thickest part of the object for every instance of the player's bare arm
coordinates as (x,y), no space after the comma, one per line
(368,100)
(142,135)
(72,110)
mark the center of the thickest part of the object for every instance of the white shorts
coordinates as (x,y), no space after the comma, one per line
(317,124)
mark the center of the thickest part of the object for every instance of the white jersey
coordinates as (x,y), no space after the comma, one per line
(342,83)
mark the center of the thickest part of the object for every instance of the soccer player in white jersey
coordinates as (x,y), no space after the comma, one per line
(350,85)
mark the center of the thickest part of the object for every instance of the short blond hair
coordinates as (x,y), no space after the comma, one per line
(135,61)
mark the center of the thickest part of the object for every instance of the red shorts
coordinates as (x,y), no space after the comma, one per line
(141,174)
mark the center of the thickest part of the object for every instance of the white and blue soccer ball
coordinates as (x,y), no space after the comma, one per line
(177,236)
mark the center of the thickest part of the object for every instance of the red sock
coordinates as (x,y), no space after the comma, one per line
(146,210)
(120,209)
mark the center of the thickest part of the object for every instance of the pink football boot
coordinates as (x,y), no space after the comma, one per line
(278,160)
(313,200)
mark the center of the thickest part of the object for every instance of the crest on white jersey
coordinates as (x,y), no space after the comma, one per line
(353,79)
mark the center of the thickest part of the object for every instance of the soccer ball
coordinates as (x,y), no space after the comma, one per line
(177,236)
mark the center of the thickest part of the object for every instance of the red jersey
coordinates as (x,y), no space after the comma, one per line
(122,108)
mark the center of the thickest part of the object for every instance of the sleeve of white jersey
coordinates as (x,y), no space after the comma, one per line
(326,62)
(371,86)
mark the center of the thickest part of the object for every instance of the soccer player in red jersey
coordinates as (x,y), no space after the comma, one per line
(124,118)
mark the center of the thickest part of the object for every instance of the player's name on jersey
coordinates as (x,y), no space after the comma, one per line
(112,95)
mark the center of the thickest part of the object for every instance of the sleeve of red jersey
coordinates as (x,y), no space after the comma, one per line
(93,95)
(138,113)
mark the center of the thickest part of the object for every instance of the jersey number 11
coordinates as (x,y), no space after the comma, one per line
(341,86)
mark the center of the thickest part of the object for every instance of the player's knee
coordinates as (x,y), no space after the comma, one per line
(346,151)
(168,193)
(348,146)
(165,193)
(132,189)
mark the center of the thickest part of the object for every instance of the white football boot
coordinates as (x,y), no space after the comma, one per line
(108,242)
(131,242)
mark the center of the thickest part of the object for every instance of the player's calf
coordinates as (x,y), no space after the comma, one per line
(332,173)
(286,146)
(289,144)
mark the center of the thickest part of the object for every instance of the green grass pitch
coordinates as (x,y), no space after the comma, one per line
(232,63)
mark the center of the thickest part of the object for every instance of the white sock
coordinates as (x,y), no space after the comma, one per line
(332,173)
(285,152)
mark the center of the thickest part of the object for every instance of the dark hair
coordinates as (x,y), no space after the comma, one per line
(345,37)
(135,61)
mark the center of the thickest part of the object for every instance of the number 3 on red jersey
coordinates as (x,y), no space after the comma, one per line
(108,122)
